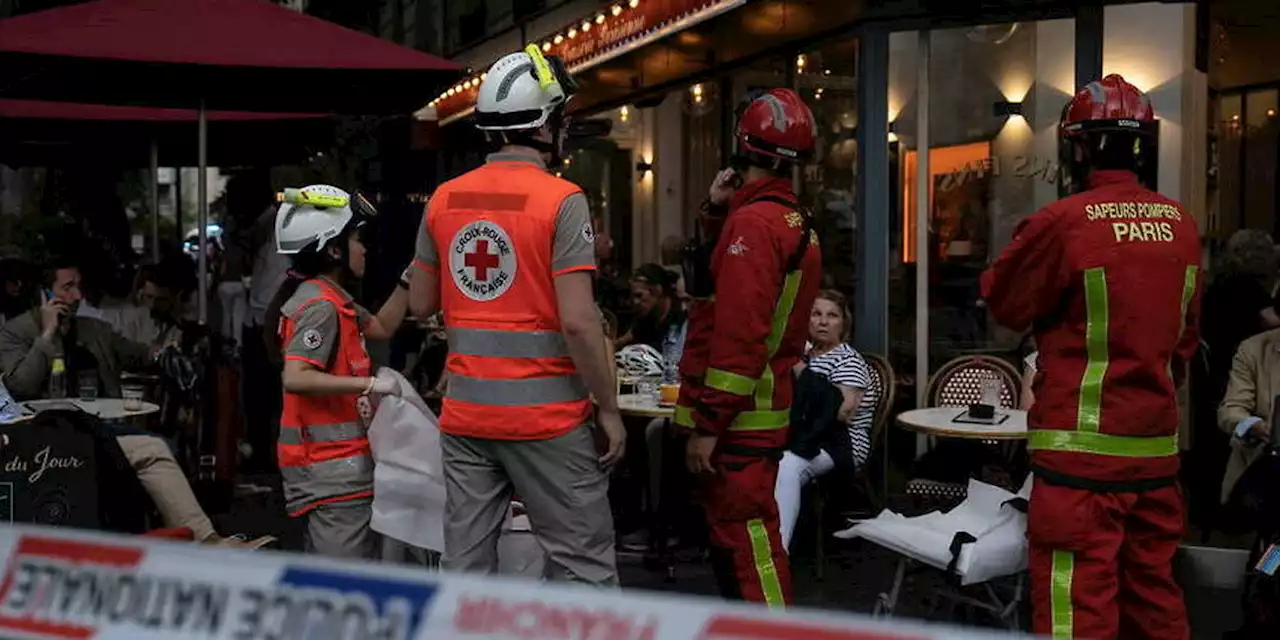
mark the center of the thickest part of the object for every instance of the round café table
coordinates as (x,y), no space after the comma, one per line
(941,422)
(101,408)
(643,405)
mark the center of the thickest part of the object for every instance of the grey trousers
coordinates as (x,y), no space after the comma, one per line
(564,491)
(342,530)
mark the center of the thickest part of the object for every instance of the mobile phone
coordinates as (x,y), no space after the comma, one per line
(48,294)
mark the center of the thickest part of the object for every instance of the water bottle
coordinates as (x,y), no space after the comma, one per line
(670,358)
(58,378)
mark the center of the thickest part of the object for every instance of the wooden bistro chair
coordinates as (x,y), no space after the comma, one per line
(885,386)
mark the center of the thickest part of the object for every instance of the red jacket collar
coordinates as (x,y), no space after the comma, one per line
(1102,178)
(756,189)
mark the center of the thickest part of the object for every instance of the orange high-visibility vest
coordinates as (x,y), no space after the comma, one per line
(324,445)
(510,374)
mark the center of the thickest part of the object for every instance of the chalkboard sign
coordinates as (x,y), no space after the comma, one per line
(63,468)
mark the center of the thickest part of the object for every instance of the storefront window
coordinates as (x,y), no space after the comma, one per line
(826,78)
(996,93)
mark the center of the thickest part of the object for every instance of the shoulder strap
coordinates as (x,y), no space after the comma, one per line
(797,256)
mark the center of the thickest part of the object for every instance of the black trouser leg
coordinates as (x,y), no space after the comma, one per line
(261,399)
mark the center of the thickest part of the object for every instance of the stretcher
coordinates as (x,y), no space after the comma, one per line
(977,543)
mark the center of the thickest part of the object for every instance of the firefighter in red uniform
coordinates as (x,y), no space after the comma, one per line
(1108,280)
(753,286)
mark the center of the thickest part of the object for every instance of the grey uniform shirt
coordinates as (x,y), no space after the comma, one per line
(315,334)
(574,248)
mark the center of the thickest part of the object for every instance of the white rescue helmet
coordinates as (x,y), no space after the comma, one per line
(310,217)
(639,361)
(522,91)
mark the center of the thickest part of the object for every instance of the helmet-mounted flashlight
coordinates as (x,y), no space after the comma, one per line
(321,200)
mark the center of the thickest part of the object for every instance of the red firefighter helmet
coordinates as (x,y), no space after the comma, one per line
(1109,104)
(776,126)
(1113,122)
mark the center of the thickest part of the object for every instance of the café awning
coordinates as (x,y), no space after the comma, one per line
(232,54)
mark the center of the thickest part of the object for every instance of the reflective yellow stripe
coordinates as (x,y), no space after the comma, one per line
(729,382)
(1097,315)
(760,421)
(684,416)
(1188,292)
(782,312)
(762,553)
(1061,611)
(764,390)
(1102,444)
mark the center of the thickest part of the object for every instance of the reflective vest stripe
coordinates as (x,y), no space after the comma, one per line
(1097,315)
(764,417)
(493,343)
(1101,443)
(518,392)
(760,420)
(1086,437)
(307,487)
(745,421)
(782,312)
(1061,610)
(1188,291)
(729,382)
(766,569)
(321,433)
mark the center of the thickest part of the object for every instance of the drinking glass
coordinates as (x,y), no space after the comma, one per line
(87,387)
(132,395)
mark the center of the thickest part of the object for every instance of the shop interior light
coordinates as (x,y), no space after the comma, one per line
(558,39)
(1235,118)
(801,60)
(1006,109)
(643,167)
(616,10)
(600,18)
(1271,113)
(826,72)
(634,3)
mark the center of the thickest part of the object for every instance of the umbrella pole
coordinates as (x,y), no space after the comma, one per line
(155,201)
(202,198)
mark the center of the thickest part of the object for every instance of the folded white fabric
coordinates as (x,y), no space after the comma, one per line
(999,529)
(408,473)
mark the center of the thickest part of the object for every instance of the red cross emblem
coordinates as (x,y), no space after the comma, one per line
(481,260)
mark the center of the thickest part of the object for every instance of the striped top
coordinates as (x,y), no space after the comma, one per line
(845,367)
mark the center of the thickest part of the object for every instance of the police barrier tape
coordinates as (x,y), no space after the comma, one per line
(60,584)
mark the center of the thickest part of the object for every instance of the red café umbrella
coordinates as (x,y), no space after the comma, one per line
(41,132)
(242,55)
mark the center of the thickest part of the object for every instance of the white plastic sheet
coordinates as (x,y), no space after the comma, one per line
(408,477)
(1000,529)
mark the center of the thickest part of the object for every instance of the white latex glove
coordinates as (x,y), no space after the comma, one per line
(386,385)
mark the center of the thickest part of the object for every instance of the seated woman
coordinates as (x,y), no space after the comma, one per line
(831,357)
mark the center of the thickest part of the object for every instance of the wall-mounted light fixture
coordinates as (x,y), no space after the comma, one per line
(801,61)
(1006,109)
(624,113)
(696,90)
(643,168)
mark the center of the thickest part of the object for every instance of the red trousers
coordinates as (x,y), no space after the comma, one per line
(1101,564)
(742,517)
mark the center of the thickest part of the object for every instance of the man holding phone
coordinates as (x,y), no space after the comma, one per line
(753,280)
(29,345)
